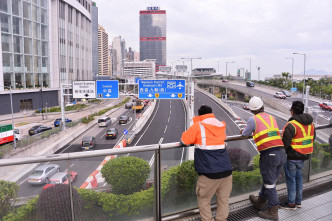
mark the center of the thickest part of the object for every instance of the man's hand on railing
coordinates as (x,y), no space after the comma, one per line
(183,145)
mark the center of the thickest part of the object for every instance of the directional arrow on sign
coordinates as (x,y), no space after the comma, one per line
(173,95)
(150,95)
(107,95)
(86,95)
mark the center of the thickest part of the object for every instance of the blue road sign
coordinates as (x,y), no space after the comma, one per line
(293,89)
(74,102)
(137,79)
(39,109)
(107,89)
(161,89)
(125,131)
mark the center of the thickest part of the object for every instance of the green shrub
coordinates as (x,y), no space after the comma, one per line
(256,161)
(315,164)
(246,181)
(126,174)
(8,193)
(24,213)
(239,158)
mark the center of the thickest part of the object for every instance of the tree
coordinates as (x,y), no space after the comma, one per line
(285,75)
(126,174)
(8,193)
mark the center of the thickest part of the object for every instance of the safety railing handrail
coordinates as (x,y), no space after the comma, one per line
(116,151)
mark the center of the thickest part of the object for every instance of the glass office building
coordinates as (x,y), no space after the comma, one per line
(24,44)
(153,35)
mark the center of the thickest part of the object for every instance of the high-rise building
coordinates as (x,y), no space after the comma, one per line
(113,60)
(153,35)
(103,53)
(130,55)
(43,43)
(94,40)
(120,46)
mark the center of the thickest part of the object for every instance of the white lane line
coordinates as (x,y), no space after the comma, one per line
(148,125)
(102,135)
(69,166)
(152,158)
(234,123)
(165,129)
(23,181)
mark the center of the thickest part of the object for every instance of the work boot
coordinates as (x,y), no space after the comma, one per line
(258,202)
(271,214)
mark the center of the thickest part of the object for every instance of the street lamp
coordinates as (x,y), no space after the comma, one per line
(304,56)
(188,92)
(11,106)
(227,62)
(292,71)
(258,69)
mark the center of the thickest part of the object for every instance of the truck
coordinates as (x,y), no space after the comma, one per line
(326,106)
(7,133)
(138,105)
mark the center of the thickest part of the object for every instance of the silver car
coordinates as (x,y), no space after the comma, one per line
(43,173)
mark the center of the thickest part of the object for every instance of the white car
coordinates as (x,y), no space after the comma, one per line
(69,104)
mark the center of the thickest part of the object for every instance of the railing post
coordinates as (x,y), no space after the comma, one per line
(157,186)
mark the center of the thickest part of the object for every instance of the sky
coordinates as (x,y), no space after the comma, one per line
(261,32)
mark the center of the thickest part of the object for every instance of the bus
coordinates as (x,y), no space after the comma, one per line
(7,135)
(138,105)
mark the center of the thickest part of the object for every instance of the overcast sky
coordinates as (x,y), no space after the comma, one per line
(266,31)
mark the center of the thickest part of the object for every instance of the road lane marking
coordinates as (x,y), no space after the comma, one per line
(23,181)
(148,125)
(153,156)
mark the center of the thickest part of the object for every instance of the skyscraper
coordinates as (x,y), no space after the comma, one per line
(94,38)
(103,53)
(153,35)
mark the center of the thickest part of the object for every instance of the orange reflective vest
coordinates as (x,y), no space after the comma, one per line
(266,134)
(303,141)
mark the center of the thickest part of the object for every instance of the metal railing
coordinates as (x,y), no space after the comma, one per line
(157,148)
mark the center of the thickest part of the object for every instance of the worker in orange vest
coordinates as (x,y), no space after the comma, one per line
(212,163)
(298,137)
(266,135)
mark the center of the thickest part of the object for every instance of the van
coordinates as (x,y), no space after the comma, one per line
(88,143)
(250,84)
(104,121)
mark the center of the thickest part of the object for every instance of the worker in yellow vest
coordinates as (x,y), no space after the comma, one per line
(298,137)
(266,135)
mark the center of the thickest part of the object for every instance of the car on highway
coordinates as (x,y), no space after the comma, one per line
(43,173)
(129,137)
(38,129)
(280,95)
(104,121)
(123,119)
(286,93)
(112,133)
(246,106)
(88,143)
(250,84)
(61,178)
(326,106)
(128,105)
(58,121)
(224,80)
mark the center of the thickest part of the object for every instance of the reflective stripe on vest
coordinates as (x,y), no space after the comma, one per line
(204,146)
(269,137)
(302,142)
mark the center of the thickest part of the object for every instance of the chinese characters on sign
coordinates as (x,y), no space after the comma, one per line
(84,89)
(161,89)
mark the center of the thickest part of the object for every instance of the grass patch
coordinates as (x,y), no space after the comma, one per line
(21,124)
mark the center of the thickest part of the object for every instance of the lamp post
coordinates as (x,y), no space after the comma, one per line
(188,88)
(249,65)
(304,56)
(227,62)
(258,69)
(292,71)
(11,107)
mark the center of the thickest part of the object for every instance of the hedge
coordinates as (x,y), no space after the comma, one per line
(23,213)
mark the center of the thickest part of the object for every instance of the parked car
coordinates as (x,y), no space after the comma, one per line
(69,104)
(128,105)
(246,106)
(38,129)
(58,121)
(286,93)
(43,173)
(88,143)
(250,84)
(326,106)
(280,95)
(112,133)
(104,121)
(61,178)
(123,119)
(129,137)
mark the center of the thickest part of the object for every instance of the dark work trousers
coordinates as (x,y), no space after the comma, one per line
(270,166)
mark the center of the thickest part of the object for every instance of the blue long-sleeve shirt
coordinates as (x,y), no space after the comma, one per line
(251,126)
